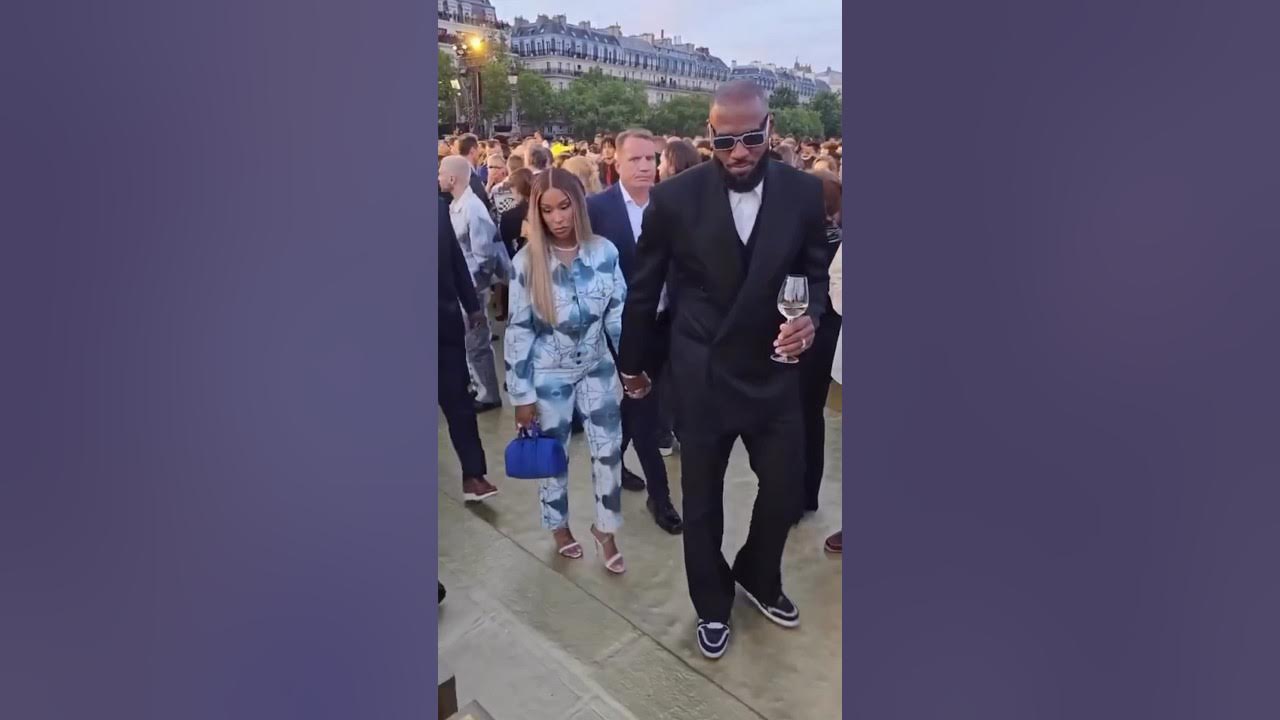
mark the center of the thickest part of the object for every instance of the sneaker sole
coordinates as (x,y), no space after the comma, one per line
(713,656)
(776,620)
(472,497)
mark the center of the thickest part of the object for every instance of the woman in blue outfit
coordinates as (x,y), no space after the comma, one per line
(566,299)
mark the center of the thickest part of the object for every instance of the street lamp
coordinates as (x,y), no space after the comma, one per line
(457,92)
(513,77)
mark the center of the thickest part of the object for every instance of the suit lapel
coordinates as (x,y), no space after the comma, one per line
(620,208)
(768,247)
(722,247)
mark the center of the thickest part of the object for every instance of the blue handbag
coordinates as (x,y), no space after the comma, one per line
(534,456)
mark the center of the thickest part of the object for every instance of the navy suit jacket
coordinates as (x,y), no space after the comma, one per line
(607,212)
(477,187)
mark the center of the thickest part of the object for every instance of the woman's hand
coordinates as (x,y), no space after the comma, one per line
(526,415)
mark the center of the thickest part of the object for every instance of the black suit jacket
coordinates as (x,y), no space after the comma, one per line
(727,317)
(509,225)
(456,287)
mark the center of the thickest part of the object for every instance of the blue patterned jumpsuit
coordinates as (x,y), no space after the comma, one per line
(566,365)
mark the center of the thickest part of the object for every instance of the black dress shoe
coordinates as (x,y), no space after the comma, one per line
(441,592)
(486,407)
(631,481)
(664,513)
(713,638)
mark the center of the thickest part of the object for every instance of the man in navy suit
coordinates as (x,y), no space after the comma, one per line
(616,214)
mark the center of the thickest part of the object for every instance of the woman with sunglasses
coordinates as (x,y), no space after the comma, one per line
(567,296)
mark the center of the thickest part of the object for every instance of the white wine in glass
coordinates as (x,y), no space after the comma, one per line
(793,302)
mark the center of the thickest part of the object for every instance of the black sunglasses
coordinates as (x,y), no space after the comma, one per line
(753,139)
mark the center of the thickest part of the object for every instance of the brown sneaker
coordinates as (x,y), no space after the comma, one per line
(477,489)
(835,543)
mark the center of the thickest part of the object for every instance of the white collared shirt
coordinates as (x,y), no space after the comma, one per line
(635,214)
(746,206)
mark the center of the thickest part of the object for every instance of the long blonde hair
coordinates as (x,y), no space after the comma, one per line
(538,250)
(587,171)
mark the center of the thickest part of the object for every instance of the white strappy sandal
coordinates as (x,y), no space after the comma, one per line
(573,550)
(615,564)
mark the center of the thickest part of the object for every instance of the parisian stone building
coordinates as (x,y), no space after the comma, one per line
(468,17)
(562,51)
(799,78)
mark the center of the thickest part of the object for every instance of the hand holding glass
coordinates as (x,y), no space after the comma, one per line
(793,302)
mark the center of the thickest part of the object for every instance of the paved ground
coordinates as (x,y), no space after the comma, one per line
(535,637)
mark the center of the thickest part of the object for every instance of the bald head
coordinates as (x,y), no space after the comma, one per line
(456,166)
(741,92)
(455,174)
(738,108)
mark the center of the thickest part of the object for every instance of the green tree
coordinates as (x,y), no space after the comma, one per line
(798,121)
(783,98)
(495,95)
(597,102)
(535,99)
(683,115)
(829,107)
(445,94)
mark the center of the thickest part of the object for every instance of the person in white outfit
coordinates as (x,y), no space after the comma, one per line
(835,543)
(476,234)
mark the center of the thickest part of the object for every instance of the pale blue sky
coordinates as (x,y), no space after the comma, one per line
(774,32)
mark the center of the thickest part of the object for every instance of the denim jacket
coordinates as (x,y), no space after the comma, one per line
(589,295)
(475,231)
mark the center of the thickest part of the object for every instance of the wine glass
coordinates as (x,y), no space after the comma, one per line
(793,301)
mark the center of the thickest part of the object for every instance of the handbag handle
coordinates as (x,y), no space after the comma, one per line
(532,431)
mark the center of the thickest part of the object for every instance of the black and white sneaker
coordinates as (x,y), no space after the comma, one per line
(782,612)
(713,638)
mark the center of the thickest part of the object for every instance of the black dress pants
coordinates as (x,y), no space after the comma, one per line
(776,453)
(815,383)
(459,409)
(642,421)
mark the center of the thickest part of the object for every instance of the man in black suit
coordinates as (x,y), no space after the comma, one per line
(455,400)
(468,146)
(731,230)
(617,214)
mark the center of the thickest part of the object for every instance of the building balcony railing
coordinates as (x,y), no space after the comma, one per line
(658,84)
(571,55)
(473,20)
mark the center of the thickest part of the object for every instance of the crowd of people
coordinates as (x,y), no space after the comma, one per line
(637,278)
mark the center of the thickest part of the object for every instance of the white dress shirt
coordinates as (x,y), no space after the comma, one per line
(635,214)
(746,206)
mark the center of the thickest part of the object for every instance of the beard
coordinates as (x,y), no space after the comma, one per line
(743,184)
